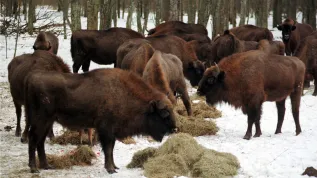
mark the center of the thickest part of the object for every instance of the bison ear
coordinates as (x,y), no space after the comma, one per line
(221,76)
(279,27)
(293,28)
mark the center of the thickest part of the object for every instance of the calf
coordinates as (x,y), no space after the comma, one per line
(246,80)
(46,41)
(19,68)
(117,103)
(293,33)
(165,72)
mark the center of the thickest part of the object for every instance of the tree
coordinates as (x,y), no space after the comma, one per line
(31,16)
(105,14)
(75,15)
(158,14)
(165,10)
(277,12)
(130,12)
(92,14)
(173,13)
(114,12)
(64,7)
(291,9)
(203,12)
(243,12)
(261,13)
(146,14)
(191,11)
(138,4)
(311,13)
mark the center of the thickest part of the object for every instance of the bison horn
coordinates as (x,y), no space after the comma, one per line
(218,69)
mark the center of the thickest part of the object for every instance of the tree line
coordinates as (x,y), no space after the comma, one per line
(221,12)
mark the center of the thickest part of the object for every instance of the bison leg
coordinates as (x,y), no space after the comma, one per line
(315,81)
(81,131)
(76,66)
(112,155)
(24,138)
(185,98)
(254,115)
(85,66)
(280,105)
(90,136)
(107,144)
(18,111)
(295,101)
(41,149)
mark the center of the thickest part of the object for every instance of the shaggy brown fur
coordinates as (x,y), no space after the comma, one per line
(246,80)
(19,68)
(228,44)
(136,59)
(310,171)
(308,54)
(99,46)
(46,41)
(252,33)
(178,26)
(293,33)
(165,73)
(121,105)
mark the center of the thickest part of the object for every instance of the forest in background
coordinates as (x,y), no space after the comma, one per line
(221,12)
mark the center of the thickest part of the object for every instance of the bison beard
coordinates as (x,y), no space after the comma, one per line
(121,105)
(246,80)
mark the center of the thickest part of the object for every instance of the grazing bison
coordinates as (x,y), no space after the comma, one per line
(246,80)
(228,44)
(179,27)
(19,68)
(165,72)
(98,46)
(252,33)
(293,33)
(308,54)
(121,105)
(46,41)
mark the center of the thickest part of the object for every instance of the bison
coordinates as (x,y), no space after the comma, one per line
(46,41)
(165,72)
(228,44)
(252,33)
(98,46)
(246,80)
(121,105)
(19,68)
(179,27)
(308,54)
(293,33)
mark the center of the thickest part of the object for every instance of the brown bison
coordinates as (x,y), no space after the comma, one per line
(19,68)
(252,33)
(121,105)
(46,41)
(228,44)
(98,46)
(308,54)
(193,69)
(165,73)
(246,80)
(179,27)
(293,33)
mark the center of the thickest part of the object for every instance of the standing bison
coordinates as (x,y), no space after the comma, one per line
(252,33)
(179,27)
(46,41)
(293,33)
(246,80)
(98,46)
(121,105)
(19,68)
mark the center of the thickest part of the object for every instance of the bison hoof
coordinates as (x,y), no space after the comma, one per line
(18,133)
(34,170)
(257,134)
(24,140)
(278,132)
(247,137)
(46,167)
(111,171)
(298,132)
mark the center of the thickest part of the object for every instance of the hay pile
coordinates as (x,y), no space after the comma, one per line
(181,155)
(70,137)
(81,156)
(197,125)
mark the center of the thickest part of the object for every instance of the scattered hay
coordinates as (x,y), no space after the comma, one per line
(70,137)
(181,155)
(128,140)
(140,157)
(81,156)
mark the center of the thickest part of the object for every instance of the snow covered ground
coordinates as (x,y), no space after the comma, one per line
(282,155)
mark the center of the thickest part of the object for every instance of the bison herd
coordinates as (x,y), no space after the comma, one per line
(243,67)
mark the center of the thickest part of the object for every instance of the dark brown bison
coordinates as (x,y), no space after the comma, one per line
(136,58)
(228,44)
(308,54)
(46,41)
(179,27)
(246,80)
(193,69)
(293,33)
(121,105)
(252,33)
(98,46)
(165,73)
(19,68)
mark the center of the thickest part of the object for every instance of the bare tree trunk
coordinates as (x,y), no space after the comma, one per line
(191,11)
(75,15)
(130,13)
(31,16)
(105,14)
(203,12)
(118,8)
(92,14)
(25,9)
(114,12)
(64,6)
(165,10)
(158,12)
(261,13)
(146,14)
(311,13)
(277,12)
(243,12)
(219,22)
(18,31)
(173,13)
(291,9)
(85,8)
(123,8)
(138,4)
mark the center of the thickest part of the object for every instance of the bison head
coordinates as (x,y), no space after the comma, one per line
(286,31)
(211,83)
(161,119)
(42,45)
(195,72)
